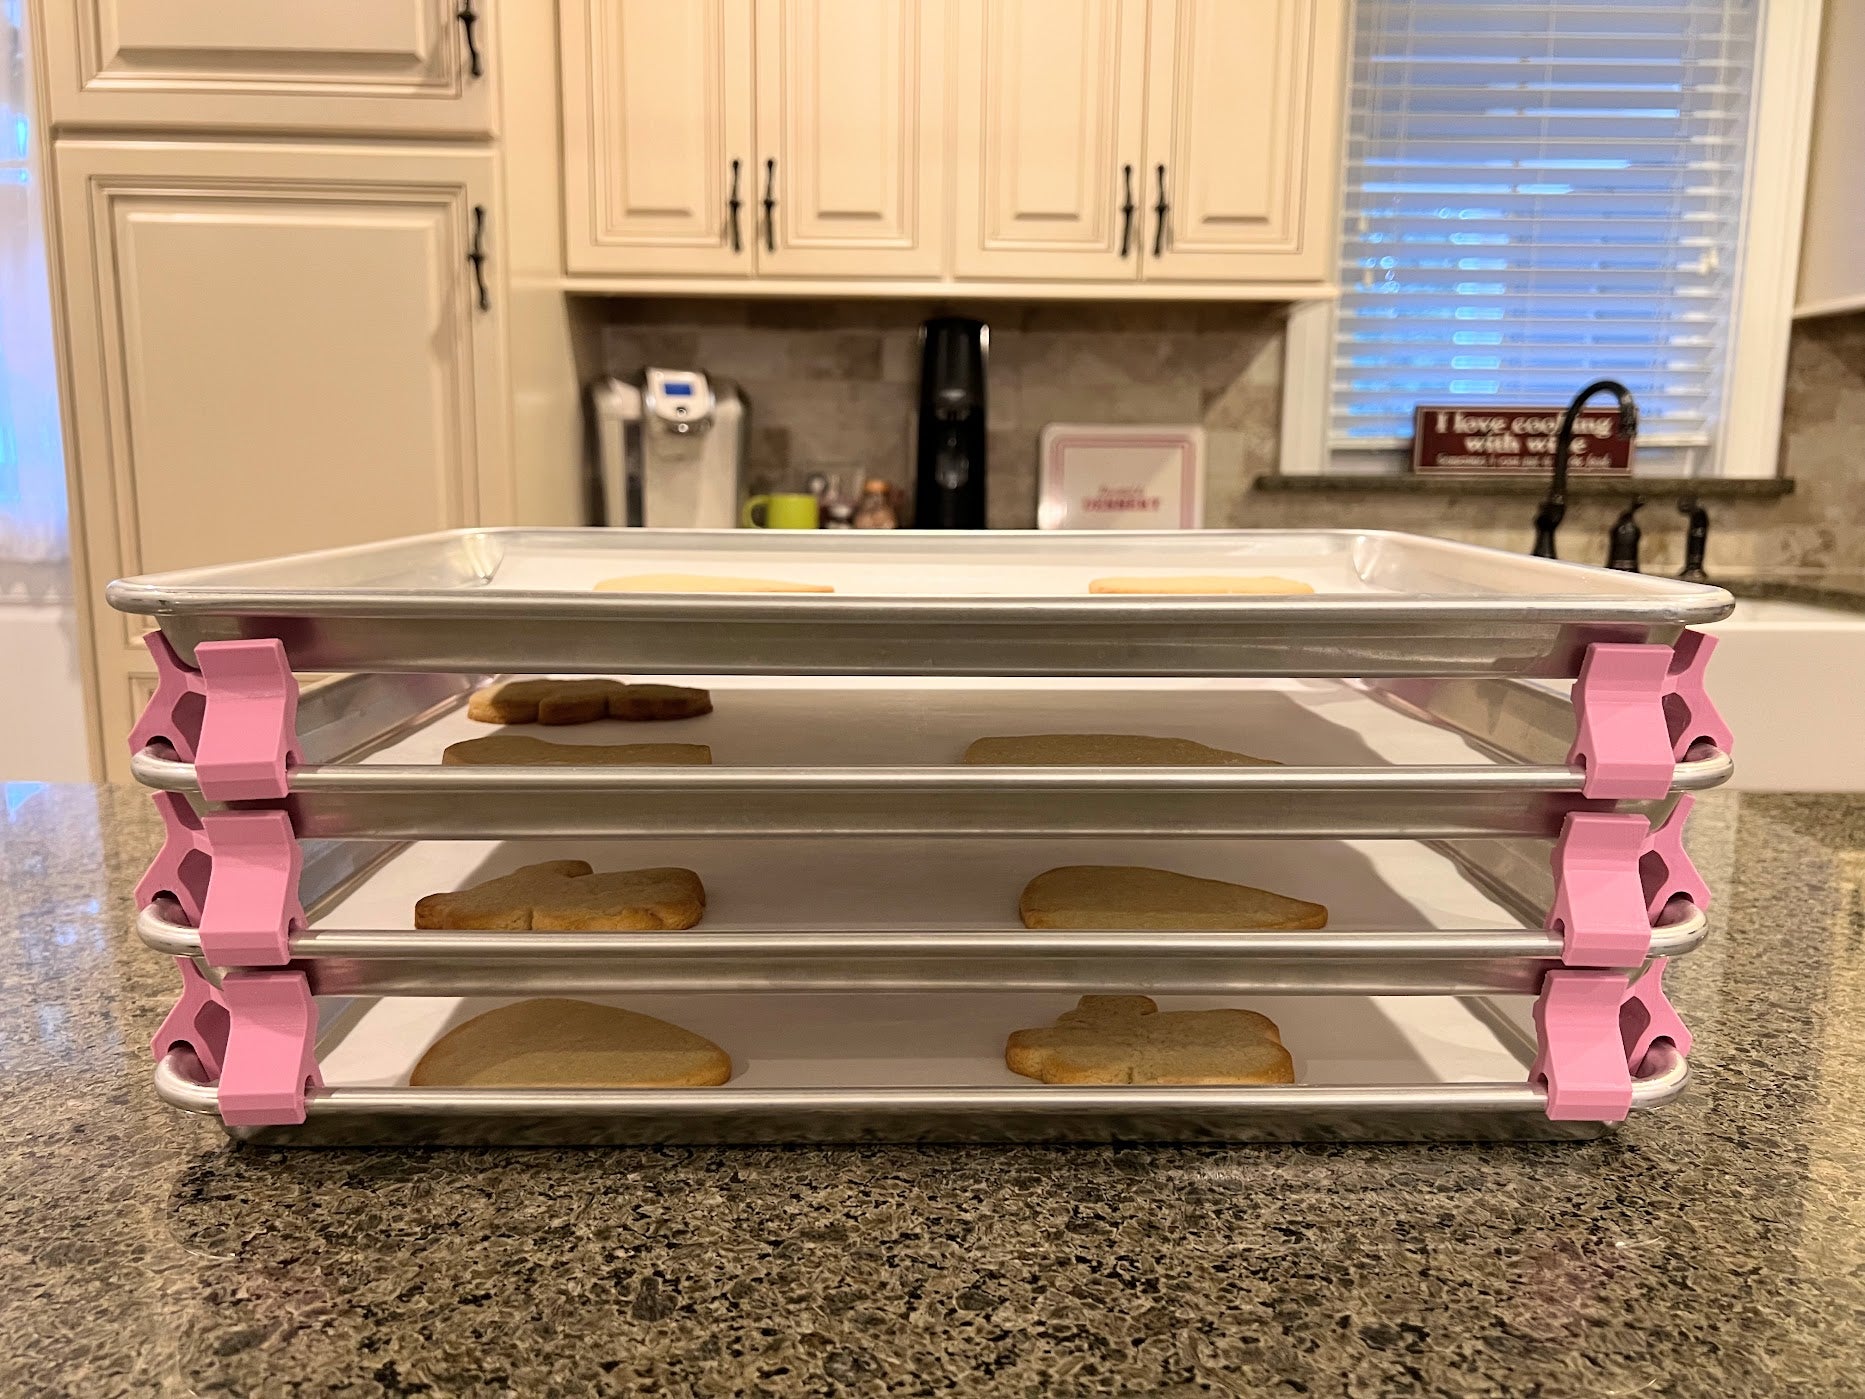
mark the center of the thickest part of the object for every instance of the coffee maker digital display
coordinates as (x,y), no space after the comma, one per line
(949,471)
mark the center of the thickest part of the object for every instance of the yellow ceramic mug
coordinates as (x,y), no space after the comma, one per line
(781,512)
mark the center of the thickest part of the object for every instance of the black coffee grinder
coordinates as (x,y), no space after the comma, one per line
(948,477)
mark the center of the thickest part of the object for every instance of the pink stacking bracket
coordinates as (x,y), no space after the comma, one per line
(235,875)
(271,1058)
(1619,733)
(1599,903)
(235,719)
(252,905)
(1665,872)
(1689,715)
(1613,877)
(1595,1032)
(175,710)
(181,868)
(198,1021)
(1638,710)
(249,737)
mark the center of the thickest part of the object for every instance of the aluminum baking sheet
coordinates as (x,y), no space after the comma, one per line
(882,756)
(930,1068)
(788,915)
(945,603)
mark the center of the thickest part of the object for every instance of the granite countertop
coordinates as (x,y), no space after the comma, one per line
(1714,1248)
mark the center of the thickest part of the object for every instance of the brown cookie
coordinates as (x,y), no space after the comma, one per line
(567,896)
(1208,583)
(557,1043)
(1103,750)
(652,702)
(1133,896)
(517,750)
(1128,1039)
(703,583)
(542,702)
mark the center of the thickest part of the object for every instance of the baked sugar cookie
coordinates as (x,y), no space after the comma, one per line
(1128,1039)
(1134,896)
(556,1043)
(584,702)
(568,896)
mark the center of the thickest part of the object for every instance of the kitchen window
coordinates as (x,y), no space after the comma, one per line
(1538,193)
(32,462)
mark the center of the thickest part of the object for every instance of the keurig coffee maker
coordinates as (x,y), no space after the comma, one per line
(949,476)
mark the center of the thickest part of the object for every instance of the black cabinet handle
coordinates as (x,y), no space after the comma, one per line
(733,204)
(477,256)
(469,22)
(770,206)
(1161,209)
(1126,209)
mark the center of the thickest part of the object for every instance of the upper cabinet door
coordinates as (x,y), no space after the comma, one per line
(277,348)
(851,126)
(1048,113)
(269,65)
(658,156)
(1243,128)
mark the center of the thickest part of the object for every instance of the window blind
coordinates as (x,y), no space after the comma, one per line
(1539,193)
(32,461)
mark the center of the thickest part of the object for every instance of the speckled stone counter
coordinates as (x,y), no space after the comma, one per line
(1715,1248)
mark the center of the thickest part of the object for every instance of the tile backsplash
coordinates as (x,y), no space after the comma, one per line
(832,388)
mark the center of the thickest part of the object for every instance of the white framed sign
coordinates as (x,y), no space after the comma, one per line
(1096,476)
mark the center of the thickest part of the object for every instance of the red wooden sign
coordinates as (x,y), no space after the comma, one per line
(1480,441)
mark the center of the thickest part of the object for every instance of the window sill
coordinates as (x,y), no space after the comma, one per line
(1619,487)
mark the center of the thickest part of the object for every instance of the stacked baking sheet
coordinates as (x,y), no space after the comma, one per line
(862,974)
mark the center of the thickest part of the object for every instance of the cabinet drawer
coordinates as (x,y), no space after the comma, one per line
(271,65)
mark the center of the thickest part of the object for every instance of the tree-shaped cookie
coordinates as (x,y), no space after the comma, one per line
(1128,1039)
(568,896)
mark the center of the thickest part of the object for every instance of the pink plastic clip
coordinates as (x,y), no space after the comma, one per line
(1619,735)
(252,905)
(1599,904)
(199,1021)
(235,875)
(1594,1032)
(1647,1017)
(249,737)
(186,860)
(271,1059)
(175,710)
(1665,872)
(1689,715)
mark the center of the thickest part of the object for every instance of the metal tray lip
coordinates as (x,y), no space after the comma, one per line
(1649,599)
(152,768)
(1661,1079)
(1685,931)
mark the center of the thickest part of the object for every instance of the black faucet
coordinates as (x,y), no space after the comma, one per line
(1622,550)
(1696,540)
(1554,509)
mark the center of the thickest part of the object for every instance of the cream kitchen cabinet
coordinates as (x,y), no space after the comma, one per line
(272,348)
(384,66)
(1148,140)
(1242,138)
(740,138)
(658,149)
(1049,116)
(851,127)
